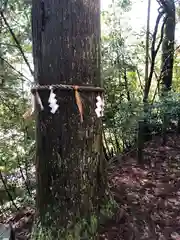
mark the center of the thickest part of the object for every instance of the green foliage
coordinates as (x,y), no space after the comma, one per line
(16,136)
(82,229)
(122,76)
(124,83)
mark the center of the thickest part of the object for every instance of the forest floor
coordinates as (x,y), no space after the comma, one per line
(148,196)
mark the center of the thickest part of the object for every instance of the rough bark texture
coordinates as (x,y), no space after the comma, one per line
(168,43)
(66,46)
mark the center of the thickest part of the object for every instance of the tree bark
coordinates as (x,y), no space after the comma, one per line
(168,44)
(69,164)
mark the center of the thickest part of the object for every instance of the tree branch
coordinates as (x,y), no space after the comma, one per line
(168,6)
(7,191)
(154,51)
(23,77)
(17,42)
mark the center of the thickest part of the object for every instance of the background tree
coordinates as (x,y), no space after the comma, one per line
(168,43)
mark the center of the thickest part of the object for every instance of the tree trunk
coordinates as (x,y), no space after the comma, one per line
(167,57)
(168,44)
(70,164)
(147,85)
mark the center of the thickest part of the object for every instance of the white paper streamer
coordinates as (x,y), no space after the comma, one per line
(52,101)
(99,107)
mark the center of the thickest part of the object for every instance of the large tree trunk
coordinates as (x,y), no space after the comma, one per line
(70,166)
(168,43)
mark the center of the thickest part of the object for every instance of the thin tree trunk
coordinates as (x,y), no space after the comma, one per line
(146,90)
(69,165)
(126,85)
(142,132)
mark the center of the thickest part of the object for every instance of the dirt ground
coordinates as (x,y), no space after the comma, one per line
(148,196)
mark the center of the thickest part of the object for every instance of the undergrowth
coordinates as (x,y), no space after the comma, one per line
(83,229)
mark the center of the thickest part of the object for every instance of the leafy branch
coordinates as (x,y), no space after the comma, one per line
(16,41)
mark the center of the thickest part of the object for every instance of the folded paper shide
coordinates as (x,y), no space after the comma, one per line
(99,106)
(53,101)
